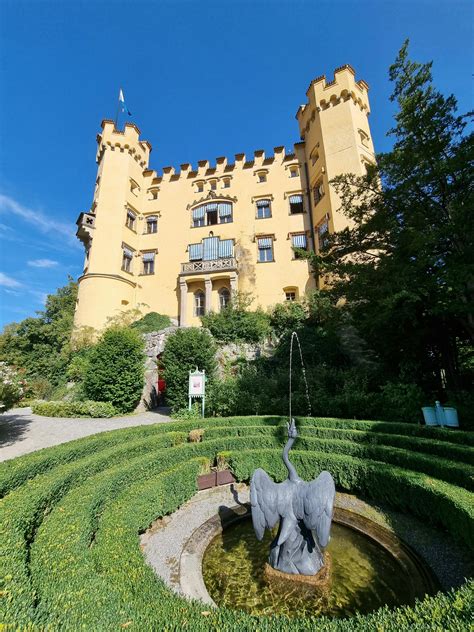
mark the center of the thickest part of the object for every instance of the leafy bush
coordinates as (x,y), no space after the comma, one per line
(73,409)
(115,369)
(12,387)
(287,316)
(185,350)
(151,322)
(236,323)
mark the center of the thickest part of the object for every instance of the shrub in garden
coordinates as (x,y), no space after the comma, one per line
(73,409)
(151,322)
(12,387)
(287,316)
(115,369)
(185,350)
(236,323)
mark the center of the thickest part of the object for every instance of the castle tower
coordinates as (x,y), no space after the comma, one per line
(108,285)
(335,129)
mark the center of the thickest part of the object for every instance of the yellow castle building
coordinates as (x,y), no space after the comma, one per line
(180,243)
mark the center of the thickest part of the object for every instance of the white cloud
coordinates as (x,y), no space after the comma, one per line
(7,281)
(42,263)
(42,222)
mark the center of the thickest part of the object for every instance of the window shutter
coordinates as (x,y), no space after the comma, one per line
(265,242)
(212,206)
(299,241)
(127,253)
(261,203)
(226,248)
(195,252)
(210,248)
(148,256)
(296,199)
(198,213)
(225,209)
(152,218)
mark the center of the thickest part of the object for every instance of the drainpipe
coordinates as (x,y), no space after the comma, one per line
(310,210)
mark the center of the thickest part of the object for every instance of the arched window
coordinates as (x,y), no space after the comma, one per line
(199,303)
(224,298)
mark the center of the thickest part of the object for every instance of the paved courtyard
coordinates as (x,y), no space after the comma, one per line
(22,432)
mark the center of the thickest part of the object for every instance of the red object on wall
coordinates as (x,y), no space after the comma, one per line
(161,384)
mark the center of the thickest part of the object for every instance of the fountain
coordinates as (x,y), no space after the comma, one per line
(362,568)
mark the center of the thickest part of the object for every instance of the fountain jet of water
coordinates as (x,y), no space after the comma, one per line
(293,336)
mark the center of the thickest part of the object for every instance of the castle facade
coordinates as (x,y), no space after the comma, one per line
(181,242)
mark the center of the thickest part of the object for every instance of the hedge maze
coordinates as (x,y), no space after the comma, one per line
(71,517)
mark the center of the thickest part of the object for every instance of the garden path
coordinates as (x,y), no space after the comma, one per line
(22,432)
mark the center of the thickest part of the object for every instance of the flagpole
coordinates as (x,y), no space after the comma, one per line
(118,110)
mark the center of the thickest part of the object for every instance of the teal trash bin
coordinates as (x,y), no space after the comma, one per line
(451,417)
(440,414)
(429,415)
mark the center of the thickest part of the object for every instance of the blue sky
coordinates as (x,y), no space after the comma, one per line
(202,79)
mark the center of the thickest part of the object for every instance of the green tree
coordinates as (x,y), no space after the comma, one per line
(115,369)
(40,345)
(151,322)
(404,266)
(185,350)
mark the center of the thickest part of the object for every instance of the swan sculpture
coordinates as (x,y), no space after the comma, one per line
(305,512)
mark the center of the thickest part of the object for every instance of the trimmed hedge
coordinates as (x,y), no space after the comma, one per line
(72,515)
(73,409)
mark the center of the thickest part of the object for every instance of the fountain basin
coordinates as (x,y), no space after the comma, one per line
(370,567)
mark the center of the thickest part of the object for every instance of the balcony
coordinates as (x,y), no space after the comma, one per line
(215,265)
(85,226)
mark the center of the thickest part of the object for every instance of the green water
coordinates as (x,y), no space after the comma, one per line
(363,576)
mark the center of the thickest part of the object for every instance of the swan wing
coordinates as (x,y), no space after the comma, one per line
(264,501)
(318,504)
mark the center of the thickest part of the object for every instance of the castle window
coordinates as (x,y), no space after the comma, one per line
(148,259)
(290,295)
(262,177)
(213,185)
(226,183)
(296,204)
(318,191)
(199,303)
(127,256)
(323,234)
(264,209)
(293,172)
(199,187)
(211,214)
(153,194)
(314,156)
(195,252)
(131,219)
(151,224)
(299,241)
(224,298)
(265,249)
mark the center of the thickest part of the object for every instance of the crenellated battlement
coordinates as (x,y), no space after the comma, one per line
(324,94)
(222,166)
(127,140)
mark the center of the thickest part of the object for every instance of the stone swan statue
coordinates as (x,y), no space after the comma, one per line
(305,512)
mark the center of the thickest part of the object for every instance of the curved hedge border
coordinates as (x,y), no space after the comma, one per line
(71,516)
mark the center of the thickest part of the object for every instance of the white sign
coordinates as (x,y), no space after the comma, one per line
(196,384)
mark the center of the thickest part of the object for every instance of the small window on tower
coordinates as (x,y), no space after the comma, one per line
(262,177)
(293,172)
(213,185)
(131,220)
(151,224)
(127,256)
(226,183)
(148,259)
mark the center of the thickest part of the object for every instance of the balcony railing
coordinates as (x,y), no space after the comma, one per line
(216,265)
(85,225)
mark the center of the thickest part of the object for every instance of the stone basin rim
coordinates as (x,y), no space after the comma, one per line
(190,564)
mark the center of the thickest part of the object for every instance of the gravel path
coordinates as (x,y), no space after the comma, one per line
(22,432)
